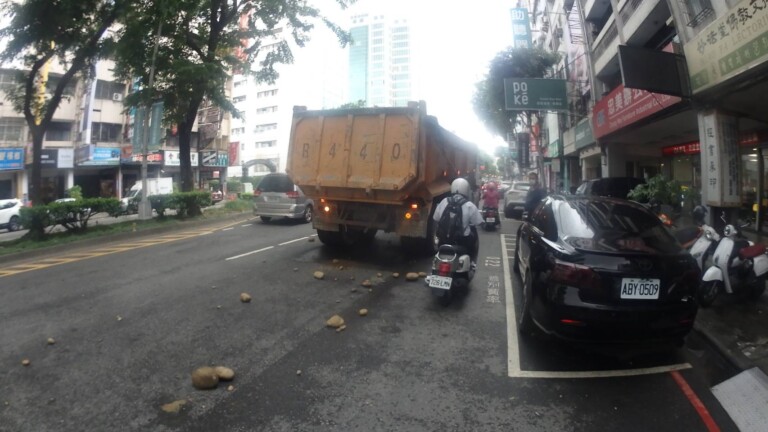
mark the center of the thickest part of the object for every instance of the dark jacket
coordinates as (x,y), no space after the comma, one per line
(534,197)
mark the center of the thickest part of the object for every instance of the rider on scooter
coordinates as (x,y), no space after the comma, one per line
(471,217)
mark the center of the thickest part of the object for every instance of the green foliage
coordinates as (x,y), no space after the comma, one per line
(160,203)
(488,100)
(234,186)
(185,202)
(35,219)
(359,104)
(658,190)
(242,204)
(72,215)
(75,192)
(215,184)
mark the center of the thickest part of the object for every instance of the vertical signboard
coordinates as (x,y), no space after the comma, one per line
(521,28)
(720,154)
(234,153)
(535,94)
(524,141)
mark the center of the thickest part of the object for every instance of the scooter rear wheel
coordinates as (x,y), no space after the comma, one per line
(708,292)
(758,289)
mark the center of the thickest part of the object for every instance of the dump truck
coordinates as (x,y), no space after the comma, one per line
(376,169)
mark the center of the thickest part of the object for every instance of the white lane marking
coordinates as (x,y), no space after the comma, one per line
(513,347)
(249,253)
(246,225)
(227,229)
(292,241)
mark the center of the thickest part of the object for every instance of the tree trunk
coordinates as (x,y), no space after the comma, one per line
(185,141)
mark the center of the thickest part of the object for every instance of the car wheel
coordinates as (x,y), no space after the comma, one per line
(13,224)
(308,213)
(708,292)
(524,320)
(265,219)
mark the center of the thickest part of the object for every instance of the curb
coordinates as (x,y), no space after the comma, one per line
(183,224)
(735,358)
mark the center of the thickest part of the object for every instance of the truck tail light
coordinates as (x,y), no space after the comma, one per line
(257,192)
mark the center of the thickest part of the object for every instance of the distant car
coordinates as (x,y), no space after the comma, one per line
(278,197)
(615,187)
(71,217)
(603,269)
(514,198)
(10,217)
(217,196)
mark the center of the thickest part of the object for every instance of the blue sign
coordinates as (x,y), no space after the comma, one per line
(11,158)
(521,28)
(92,155)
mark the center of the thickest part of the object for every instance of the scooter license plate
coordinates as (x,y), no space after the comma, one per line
(491,220)
(440,282)
(640,289)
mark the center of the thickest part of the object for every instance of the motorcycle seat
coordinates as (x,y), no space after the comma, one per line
(752,251)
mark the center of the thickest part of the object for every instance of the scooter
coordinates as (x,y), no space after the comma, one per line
(452,271)
(739,266)
(491,218)
(700,240)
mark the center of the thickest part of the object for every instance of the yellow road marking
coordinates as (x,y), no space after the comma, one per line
(120,247)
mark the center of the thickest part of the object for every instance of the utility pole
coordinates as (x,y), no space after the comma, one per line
(145,209)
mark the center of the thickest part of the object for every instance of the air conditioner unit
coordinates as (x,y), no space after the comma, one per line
(117,97)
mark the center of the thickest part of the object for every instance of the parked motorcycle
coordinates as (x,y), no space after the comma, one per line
(739,267)
(700,240)
(452,271)
(491,218)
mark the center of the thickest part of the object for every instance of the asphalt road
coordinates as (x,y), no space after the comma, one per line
(132,319)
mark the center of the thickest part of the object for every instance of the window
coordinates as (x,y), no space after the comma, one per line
(8,79)
(238,131)
(69,90)
(11,129)
(107,89)
(544,220)
(266,144)
(105,132)
(265,127)
(265,110)
(240,83)
(59,131)
(266,93)
(238,99)
(697,11)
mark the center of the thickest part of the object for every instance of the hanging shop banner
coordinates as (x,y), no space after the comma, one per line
(172,158)
(213,158)
(624,106)
(521,28)
(11,158)
(128,157)
(720,159)
(729,45)
(234,153)
(535,94)
(584,135)
(90,155)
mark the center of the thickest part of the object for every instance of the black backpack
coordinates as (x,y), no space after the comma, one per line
(450,228)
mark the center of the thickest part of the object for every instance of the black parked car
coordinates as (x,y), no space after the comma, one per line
(603,269)
(616,187)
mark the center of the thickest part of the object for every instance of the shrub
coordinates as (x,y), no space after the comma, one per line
(234,186)
(160,203)
(238,205)
(186,203)
(658,190)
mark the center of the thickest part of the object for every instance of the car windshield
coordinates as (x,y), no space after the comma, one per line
(608,226)
(276,183)
(521,186)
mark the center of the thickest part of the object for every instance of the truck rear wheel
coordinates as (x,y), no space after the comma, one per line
(329,238)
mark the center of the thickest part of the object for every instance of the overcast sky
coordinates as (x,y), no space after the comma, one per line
(452,45)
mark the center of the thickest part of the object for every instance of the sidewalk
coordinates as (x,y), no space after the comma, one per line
(739,329)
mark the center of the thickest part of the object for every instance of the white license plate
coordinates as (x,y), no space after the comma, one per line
(490,220)
(640,289)
(441,282)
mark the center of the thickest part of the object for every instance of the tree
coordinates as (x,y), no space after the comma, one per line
(488,100)
(201,43)
(69,32)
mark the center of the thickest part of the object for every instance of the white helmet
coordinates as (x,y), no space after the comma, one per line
(460,186)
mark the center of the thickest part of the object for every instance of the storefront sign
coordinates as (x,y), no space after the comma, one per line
(535,94)
(624,106)
(692,148)
(731,44)
(11,158)
(172,158)
(584,134)
(720,159)
(66,158)
(213,158)
(90,155)
(127,156)
(48,158)
(553,149)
